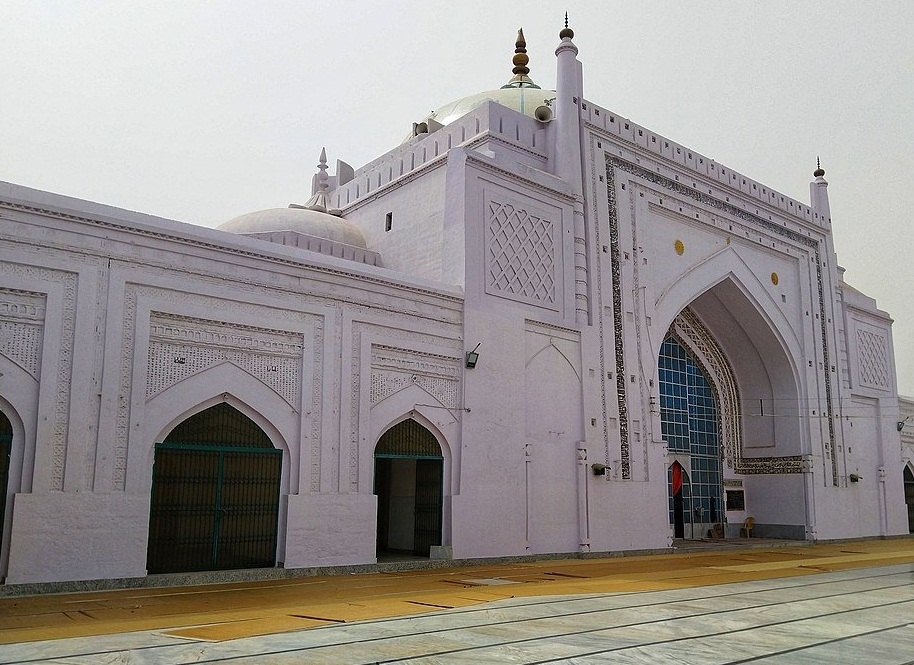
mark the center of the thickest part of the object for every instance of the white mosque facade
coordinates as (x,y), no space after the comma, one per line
(533,328)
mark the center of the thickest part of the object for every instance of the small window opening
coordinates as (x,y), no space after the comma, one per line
(388,221)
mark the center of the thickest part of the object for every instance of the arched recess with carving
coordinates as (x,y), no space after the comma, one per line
(412,403)
(741,320)
(223,383)
(18,405)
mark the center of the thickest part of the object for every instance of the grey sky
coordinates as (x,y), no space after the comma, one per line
(202,111)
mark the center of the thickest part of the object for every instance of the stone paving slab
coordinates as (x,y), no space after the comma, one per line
(853,616)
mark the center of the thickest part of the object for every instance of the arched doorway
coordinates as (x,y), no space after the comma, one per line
(408,475)
(215,495)
(909,496)
(6,445)
(690,422)
(680,500)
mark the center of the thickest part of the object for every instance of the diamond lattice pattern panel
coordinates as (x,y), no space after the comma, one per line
(873,359)
(520,254)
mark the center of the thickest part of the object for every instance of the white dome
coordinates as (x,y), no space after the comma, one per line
(299,220)
(525,99)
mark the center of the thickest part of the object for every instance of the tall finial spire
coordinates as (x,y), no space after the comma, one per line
(819,172)
(319,200)
(520,71)
(566,32)
(322,171)
(520,55)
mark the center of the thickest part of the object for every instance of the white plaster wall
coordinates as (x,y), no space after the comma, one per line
(414,245)
(330,530)
(776,499)
(552,390)
(60,536)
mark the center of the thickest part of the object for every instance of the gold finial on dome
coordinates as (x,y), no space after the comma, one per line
(520,61)
(566,31)
(520,55)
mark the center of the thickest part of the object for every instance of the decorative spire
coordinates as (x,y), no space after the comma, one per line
(819,172)
(566,32)
(520,71)
(319,200)
(520,55)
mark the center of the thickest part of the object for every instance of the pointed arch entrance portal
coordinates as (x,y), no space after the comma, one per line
(215,495)
(408,480)
(690,422)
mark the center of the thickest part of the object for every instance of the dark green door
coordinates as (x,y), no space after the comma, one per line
(409,485)
(428,505)
(215,499)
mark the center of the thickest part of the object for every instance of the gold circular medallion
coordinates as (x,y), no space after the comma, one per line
(680,248)
(774,278)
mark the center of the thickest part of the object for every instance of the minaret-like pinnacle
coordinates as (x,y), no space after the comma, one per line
(319,200)
(566,31)
(322,171)
(520,55)
(819,172)
(521,78)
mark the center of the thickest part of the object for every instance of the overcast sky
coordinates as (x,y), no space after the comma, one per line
(202,111)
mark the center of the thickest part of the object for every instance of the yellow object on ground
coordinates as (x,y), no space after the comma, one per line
(229,611)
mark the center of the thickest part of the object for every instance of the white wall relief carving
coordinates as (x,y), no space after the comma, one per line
(21,327)
(872,350)
(67,282)
(168,332)
(690,331)
(398,366)
(394,369)
(520,254)
(180,347)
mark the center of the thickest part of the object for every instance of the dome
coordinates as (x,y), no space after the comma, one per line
(300,220)
(520,93)
(525,99)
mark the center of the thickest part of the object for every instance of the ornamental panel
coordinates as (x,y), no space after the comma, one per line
(520,254)
(873,359)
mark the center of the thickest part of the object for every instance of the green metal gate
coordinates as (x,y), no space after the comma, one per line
(215,500)
(428,505)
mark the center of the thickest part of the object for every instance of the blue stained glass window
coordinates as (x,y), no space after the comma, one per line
(689,418)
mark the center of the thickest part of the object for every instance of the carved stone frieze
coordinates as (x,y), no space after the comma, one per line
(25,310)
(394,369)
(180,347)
(21,328)
(203,342)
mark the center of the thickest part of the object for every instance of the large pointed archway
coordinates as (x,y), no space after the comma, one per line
(215,495)
(408,481)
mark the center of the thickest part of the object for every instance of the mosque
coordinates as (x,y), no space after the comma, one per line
(533,328)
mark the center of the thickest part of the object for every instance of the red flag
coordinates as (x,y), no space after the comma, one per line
(677,478)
